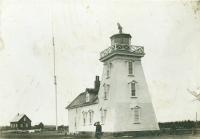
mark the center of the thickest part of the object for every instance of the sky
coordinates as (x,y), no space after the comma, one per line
(168,30)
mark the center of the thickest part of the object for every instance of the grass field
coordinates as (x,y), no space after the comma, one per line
(149,137)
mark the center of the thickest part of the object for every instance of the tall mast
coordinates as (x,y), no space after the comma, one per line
(196,121)
(54,67)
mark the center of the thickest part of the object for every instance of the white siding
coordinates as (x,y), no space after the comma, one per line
(119,104)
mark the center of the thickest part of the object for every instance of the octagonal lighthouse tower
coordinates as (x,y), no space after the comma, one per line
(124,100)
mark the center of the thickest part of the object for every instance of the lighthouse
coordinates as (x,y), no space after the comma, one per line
(121,100)
(124,89)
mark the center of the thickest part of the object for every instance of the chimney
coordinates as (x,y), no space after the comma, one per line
(97,83)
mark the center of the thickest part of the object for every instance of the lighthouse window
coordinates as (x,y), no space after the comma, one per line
(136,114)
(132,89)
(103,115)
(106,91)
(130,68)
(108,70)
(125,41)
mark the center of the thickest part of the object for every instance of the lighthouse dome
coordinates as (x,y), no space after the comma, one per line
(121,38)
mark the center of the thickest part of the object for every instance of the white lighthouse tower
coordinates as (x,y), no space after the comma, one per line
(124,100)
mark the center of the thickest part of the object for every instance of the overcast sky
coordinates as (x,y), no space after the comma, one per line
(169,32)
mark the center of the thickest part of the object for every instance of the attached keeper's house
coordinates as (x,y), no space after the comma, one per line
(121,101)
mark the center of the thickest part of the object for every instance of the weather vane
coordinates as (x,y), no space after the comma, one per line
(120,28)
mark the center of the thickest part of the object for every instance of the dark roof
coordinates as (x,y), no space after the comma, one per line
(80,100)
(18,117)
(120,35)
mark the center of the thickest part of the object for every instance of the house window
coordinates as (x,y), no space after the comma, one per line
(130,68)
(27,125)
(103,115)
(107,72)
(91,113)
(87,97)
(75,122)
(106,91)
(136,114)
(21,125)
(24,118)
(133,89)
(84,117)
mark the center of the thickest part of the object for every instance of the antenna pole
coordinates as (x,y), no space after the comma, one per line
(196,119)
(55,81)
(54,67)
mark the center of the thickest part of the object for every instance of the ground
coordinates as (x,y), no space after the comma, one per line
(153,137)
(156,137)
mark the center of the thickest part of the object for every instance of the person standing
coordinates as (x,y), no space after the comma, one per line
(98,131)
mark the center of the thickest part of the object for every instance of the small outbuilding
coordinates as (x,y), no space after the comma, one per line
(20,121)
(39,126)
